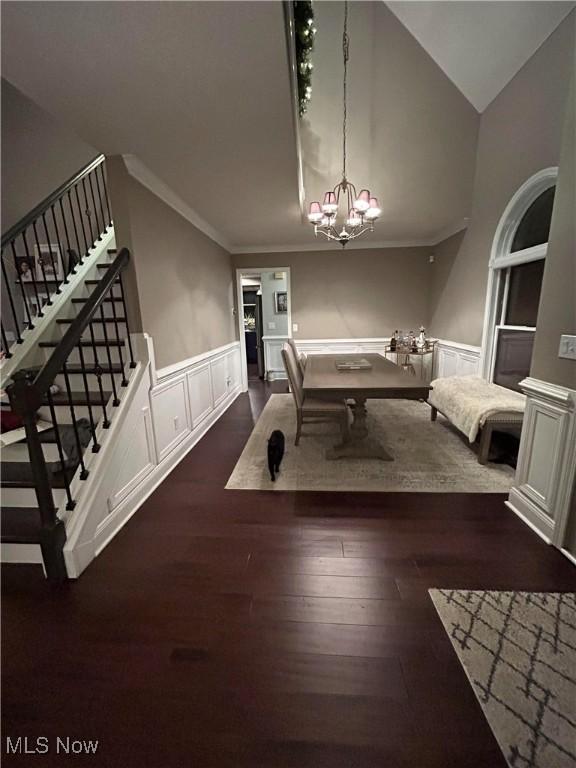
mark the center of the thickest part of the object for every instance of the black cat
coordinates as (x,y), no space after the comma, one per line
(275,452)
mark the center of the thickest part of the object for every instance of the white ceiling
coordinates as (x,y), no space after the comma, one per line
(198,94)
(481,45)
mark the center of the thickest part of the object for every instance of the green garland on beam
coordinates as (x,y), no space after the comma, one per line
(304,31)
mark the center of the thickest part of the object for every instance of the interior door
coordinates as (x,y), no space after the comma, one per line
(259,334)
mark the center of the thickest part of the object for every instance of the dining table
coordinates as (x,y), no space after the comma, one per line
(358,378)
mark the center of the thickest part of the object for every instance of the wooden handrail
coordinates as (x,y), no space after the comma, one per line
(25,222)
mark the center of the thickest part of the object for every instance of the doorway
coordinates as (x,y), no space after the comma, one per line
(264,321)
(253,330)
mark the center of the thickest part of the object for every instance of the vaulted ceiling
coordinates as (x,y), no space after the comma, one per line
(199,93)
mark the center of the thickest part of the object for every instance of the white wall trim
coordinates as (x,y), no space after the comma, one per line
(546,470)
(139,171)
(501,258)
(246,272)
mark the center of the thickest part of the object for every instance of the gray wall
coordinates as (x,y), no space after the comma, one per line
(520,133)
(357,293)
(38,155)
(184,280)
(557,311)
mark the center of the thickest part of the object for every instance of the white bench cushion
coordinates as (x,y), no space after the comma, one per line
(468,401)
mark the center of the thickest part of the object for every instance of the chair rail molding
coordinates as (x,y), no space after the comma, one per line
(547,460)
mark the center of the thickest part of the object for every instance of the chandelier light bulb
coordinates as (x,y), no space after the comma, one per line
(354,220)
(330,204)
(315,214)
(374,211)
(363,202)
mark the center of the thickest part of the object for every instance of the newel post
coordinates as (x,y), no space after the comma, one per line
(25,401)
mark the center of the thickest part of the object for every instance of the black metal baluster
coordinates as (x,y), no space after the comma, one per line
(99,229)
(12,307)
(41,262)
(118,341)
(68,242)
(75,228)
(49,245)
(84,472)
(115,401)
(98,374)
(132,361)
(25,298)
(95,444)
(61,249)
(33,275)
(5,344)
(86,248)
(105,213)
(71,503)
(87,214)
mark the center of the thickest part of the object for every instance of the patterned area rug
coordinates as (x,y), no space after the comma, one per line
(519,652)
(428,456)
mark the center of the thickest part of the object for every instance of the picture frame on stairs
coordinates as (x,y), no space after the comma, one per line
(49,257)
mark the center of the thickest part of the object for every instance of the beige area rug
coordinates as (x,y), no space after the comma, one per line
(519,652)
(428,456)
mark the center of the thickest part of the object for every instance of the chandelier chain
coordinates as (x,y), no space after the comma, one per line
(345,57)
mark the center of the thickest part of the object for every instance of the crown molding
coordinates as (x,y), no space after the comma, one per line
(148,179)
(329,246)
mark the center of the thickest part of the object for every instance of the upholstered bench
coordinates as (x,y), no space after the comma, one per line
(470,403)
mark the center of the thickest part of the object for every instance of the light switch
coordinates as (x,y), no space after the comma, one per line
(295,327)
(567,347)
(271,326)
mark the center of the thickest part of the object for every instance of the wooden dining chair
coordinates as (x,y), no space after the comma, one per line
(311,409)
(300,358)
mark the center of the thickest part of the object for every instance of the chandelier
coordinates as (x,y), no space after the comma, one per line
(361,210)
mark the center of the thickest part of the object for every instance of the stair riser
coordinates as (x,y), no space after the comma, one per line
(107,305)
(98,331)
(77,382)
(64,416)
(89,357)
(26,497)
(19,452)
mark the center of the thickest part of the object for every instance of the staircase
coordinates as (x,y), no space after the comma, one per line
(68,363)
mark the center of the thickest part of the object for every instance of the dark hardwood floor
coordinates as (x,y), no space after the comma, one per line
(265,630)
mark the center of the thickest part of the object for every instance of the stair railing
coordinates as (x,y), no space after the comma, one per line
(30,391)
(43,249)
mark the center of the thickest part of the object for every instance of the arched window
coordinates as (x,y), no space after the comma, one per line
(515,281)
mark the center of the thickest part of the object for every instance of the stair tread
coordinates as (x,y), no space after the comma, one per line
(20,525)
(108,298)
(18,474)
(79,398)
(91,368)
(70,320)
(86,344)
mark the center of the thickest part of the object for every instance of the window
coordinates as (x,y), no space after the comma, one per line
(516,285)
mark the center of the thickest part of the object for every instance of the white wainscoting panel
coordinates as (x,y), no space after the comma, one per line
(200,392)
(138,459)
(170,414)
(454,359)
(273,363)
(547,458)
